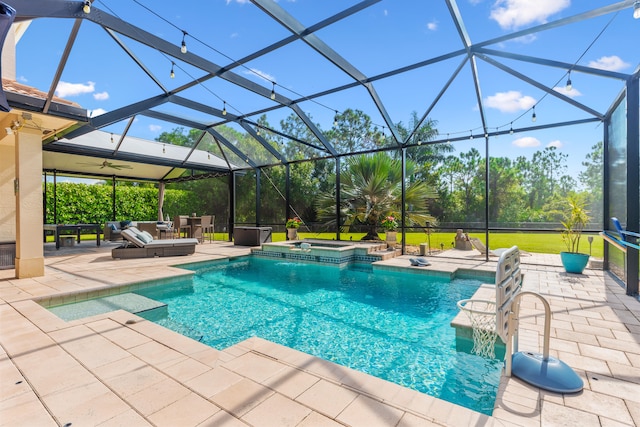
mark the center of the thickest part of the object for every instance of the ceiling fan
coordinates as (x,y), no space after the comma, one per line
(107,164)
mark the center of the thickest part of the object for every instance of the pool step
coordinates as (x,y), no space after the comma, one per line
(130,302)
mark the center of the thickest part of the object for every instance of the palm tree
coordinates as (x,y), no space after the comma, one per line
(371,189)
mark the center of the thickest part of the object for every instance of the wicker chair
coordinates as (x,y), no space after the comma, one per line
(207,227)
(180,224)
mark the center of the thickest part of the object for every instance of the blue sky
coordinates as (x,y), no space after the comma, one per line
(383,37)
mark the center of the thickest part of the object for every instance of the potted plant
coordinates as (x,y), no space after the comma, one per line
(389,224)
(576,217)
(292,225)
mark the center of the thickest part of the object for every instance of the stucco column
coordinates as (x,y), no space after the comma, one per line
(28,192)
(7,175)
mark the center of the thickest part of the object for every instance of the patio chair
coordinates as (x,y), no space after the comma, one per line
(140,244)
(480,247)
(207,227)
(618,227)
(619,239)
(180,223)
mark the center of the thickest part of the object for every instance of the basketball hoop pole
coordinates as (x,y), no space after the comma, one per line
(514,320)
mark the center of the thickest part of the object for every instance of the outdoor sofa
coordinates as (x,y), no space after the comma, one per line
(113,230)
(140,244)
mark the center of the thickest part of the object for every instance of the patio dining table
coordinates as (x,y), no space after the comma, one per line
(195,222)
(76,228)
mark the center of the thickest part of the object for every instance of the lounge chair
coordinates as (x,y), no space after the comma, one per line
(480,247)
(619,239)
(140,244)
(419,262)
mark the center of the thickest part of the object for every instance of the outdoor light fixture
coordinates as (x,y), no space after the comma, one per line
(15,126)
(511,129)
(86,8)
(533,116)
(569,86)
(224,108)
(448,140)
(55,135)
(335,119)
(273,91)
(636,9)
(258,131)
(172,74)
(208,155)
(471,134)
(183,48)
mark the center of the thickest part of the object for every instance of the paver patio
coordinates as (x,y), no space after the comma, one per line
(117,369)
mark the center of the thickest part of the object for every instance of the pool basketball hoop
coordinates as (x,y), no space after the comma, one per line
(482,315)
(501,318)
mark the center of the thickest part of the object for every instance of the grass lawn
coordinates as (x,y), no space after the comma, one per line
(548,243)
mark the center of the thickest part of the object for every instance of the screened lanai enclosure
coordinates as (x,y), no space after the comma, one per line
(474,115)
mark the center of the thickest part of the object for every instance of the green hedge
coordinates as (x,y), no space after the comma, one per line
(83,203)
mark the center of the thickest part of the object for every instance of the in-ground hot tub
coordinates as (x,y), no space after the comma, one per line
(324,251)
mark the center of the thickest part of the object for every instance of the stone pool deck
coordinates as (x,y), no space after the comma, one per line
(116,369)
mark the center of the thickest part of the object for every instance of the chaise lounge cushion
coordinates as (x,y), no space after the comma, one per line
(140,249)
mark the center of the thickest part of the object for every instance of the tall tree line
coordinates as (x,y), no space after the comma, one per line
(521,190)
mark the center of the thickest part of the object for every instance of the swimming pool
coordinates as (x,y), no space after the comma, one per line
(391,325)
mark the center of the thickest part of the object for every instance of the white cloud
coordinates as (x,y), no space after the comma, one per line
(556,143)
(386,12)
(609,63)
(433,25)
(509,102)
(265,76)
(526,142)
(238,1)
(234,35)
(155,128)
(23,79)
(65,89)
(513,14)
(102,96)
(573,93)
(526,39)
(96,112)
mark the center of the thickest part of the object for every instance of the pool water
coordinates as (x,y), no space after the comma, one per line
(394,326)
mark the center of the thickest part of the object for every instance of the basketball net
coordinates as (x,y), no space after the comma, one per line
(483,324)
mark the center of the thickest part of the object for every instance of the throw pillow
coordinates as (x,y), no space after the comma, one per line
(113,227)
(145,236)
